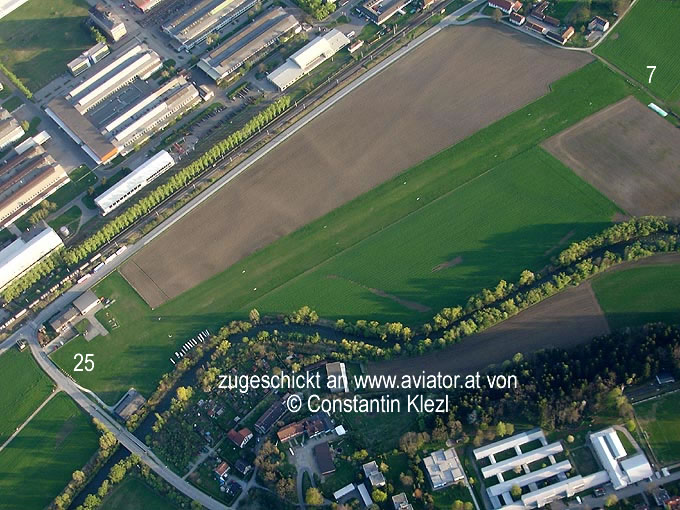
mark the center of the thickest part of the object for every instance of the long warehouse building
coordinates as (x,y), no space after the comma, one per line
(265,31)
(10,129)
(116,107)
(195,24)
(308,58)
(25,180)
(134,182)
(21,255)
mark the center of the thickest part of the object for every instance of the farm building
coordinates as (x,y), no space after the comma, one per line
(114,108)
(61,320)
(379,11)
(517,19)
(505,6)
(195,24)
(535,27)
(308,58)
(240,437)
(538,12)
(598,23)
(20,256)
(561,38)
(107,21)
(264,32)
(443,468)
(312,426)
(25,180)
(132,183)
(270,417)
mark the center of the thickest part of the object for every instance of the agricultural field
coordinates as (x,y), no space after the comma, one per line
(369,137)
(508,219)
(660,419)
(39,38)
(641,294)
(39,462)
(629,153)
(648,36)
(25,387)
(134,494)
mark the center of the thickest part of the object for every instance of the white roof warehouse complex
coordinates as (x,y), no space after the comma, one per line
(308,58)
(195,24)
(244,45)
(21,255)
(113,108)
(134,182)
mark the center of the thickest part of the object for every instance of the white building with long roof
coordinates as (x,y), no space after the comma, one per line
(21,255)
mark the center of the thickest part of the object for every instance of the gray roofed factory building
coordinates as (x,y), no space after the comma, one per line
(196,23)
(265,31)
(10,129)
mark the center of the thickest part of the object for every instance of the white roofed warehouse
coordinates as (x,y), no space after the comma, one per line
(262,33)
(308,58)
(134,182)
(21,255)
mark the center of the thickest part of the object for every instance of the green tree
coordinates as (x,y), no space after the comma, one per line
(313,497)
(516,491)
(496,15)
(378,495)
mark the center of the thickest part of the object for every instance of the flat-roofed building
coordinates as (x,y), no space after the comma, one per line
(195,24)
(373,474)
(109,22)
(612,455)
(308,58)
(443,468)
(248,42)
(20,256)
(88,58)
(400,502)
(86,302)
(25,180)
(379,11)
(132,183)
(10,129)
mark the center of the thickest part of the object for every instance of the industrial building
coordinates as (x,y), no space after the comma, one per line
(265,31)
(7,6)
(115,107)
(622,469)
(10,129)
(308,58)
(146,5)
(88,58)
(132,183)
(25,180)
(107,21)
(21,255)
(379,11)
(196,23)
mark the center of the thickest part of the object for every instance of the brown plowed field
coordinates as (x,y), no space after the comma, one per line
(567,319)
(459,81)
(627,152)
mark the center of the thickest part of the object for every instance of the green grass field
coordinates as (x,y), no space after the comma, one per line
(136,354)
(12,103)
(39,38)
(25,387)
(134,494)
(648,36)
(499,224)
(39,462)
(70,219)
(639,295)
(661,420)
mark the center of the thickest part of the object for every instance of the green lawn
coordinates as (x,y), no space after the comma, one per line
(135,494)
(39,462)
(12,103)
(639,295)
(136,354)
(39,38)
(661,420)
(70,219)
(24,388)
(381,432)
(648,36)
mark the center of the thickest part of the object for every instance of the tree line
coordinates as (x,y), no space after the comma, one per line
(16,81)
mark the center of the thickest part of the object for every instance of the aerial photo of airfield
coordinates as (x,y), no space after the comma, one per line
(452,226)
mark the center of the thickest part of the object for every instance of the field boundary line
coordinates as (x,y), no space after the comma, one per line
(26,422)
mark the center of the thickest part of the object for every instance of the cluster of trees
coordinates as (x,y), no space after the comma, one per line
(176,182)
(46,207)
(320,9)
(270,462)
(304,315)
(97,35)
(16,81)
(394,331)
